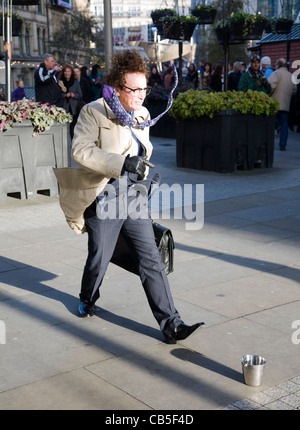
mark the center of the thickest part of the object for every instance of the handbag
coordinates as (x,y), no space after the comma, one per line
(123,257)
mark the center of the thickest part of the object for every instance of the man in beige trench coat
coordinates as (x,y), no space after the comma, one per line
(109,152)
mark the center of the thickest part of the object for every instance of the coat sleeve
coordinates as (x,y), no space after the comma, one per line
(86,145)
(243,85)
(77,91)
(273,81)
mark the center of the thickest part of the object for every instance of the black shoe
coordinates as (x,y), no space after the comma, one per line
(182,332)
(86,310)
(282,148)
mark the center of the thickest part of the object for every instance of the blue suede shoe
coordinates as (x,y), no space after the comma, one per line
(86,310)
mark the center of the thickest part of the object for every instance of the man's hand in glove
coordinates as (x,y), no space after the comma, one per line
(137,165)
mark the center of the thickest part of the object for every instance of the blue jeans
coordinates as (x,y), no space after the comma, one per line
(282,118)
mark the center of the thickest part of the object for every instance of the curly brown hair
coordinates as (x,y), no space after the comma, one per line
(128,61)
(66,66)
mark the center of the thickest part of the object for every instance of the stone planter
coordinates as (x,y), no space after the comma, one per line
(225,143)
(26,162)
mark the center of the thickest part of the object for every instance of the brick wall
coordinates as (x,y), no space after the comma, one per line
(276,50)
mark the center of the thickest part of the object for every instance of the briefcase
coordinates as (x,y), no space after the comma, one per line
(122,256)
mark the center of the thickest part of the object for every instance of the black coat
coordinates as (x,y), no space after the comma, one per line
(86,89)
(47,89)
(233,81)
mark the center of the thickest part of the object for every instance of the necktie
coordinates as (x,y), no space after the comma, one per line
(124,117)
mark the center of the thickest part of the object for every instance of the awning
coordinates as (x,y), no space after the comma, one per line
(165,51)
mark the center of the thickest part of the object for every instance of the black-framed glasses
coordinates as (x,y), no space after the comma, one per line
(137,91)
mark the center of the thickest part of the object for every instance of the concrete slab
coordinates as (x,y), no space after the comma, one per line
(75,390)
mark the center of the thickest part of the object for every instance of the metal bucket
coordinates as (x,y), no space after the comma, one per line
(253,366)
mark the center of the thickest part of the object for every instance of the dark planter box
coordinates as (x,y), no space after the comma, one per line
(166,126)
(15,27)
(225,143)
(205,16)
(27,161)
(223,36)
(236,30)
(178,30)
(283,27)
(26,2)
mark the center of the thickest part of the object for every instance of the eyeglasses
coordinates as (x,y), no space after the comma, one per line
(137,91)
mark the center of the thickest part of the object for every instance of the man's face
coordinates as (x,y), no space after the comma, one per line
(50,63)
(255,65)
(133,100)
(76,73)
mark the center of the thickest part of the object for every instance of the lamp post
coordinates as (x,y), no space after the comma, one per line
(6,35)
(108,34)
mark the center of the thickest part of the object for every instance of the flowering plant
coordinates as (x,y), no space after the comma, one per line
(13,15)
(42,116)
(203,7)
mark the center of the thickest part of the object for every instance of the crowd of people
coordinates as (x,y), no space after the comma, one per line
(72,87)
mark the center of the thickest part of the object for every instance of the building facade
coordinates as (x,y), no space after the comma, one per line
(40,21)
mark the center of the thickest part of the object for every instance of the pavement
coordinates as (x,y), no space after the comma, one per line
(240,273)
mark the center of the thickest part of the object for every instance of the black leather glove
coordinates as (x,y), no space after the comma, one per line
(136,164)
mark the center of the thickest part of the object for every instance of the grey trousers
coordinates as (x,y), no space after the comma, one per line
(102,237)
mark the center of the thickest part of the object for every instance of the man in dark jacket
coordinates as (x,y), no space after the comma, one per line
(254,79)
(47,89)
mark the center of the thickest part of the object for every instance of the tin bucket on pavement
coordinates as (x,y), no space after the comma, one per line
(253,367)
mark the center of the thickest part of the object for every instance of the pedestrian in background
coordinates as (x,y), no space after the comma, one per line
(254,79)
(192,76)
(266,67)
(216,81)
(96,81)
(46,85)
(205,76)
(71,93)
(85,84)
(234,77)
(19,92)
(282,90)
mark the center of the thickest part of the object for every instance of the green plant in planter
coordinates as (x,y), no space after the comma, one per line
(181,18)
(205,13)
(42,116)
(282,25)
(248,21)
(13,15)
(194,104)
(17,21)
(158,14)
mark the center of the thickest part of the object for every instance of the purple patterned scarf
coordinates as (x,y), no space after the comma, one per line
(124,117)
